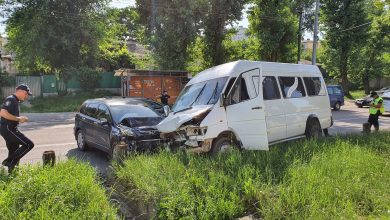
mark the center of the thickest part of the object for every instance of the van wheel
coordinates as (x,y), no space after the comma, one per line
(337,106)
(81,145)
(313,129)
(223,144)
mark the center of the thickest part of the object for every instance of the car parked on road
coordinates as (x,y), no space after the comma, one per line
(365,101)
(336,96)
(106,122)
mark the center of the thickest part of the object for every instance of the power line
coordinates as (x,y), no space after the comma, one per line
(354,27)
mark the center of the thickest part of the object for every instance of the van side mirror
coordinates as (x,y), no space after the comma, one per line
(167,110)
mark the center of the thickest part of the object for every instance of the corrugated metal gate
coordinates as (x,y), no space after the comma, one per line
(34,82)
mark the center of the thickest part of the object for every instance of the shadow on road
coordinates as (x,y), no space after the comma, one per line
(98,159)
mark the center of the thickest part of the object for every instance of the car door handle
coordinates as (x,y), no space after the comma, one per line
(257,107)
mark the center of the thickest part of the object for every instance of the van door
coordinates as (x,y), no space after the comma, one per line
(245,111)
(274,111)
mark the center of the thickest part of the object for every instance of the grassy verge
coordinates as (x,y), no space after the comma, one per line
(331,178)
(67,191)
(356,94)
(68,103)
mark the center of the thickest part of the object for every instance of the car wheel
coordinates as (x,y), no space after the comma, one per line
(313,129)
(337,106)
(223,144)
(81,145)
(360,106)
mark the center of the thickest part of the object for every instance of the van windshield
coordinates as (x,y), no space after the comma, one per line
(203,93)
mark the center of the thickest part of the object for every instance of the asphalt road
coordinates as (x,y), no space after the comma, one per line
(55,132)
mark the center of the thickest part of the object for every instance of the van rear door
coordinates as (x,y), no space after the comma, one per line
(245,110)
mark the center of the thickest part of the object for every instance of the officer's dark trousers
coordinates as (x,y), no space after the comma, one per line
(18,145)
(373,120)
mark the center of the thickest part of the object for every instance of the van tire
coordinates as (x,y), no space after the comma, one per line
(337,106)
(313,129)
(81,145)
(223,144)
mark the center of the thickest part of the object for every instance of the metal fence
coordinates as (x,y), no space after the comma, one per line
(34,82)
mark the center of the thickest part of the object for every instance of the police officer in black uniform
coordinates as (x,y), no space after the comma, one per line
(18,145)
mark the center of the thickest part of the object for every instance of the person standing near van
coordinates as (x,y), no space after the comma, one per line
(17,143)
(376,109)
(164,97)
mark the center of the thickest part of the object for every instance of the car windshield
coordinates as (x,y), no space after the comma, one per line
(203,93)
(120,112)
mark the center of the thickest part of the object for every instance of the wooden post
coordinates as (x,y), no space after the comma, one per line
(49,158)
(366,127)
(119,152)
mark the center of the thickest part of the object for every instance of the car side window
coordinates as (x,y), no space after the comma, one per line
(270,88)
(82,109)
(103,112)
(337,90)
(292,87)
(91,109)
(330,90)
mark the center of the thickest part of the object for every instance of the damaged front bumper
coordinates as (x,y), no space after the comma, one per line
(190,137)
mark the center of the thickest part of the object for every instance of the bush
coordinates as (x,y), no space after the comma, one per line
(87,77)
(68,190)
(331,178)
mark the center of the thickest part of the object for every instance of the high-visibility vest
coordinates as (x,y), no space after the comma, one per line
(374,110)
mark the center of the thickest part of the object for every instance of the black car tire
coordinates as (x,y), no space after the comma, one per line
(337,106)
(360,106)
(81,145)
(313,129)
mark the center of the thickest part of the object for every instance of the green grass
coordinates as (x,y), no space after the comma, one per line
(332,178)
(68,103)
(356,94)
(69,190)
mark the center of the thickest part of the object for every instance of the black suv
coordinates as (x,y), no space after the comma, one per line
(105,122)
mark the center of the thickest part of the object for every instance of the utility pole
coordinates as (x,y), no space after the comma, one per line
(315,38)
(299,33)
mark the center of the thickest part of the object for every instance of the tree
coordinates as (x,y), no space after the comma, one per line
(51,35)
(121,25)
(345,25)
(217,15)
(170,28)
(275,25)
(378,43)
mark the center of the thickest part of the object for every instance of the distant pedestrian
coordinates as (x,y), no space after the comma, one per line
(376,109)
(18,145)
(164,97)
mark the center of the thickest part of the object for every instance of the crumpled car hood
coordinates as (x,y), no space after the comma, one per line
(174,121)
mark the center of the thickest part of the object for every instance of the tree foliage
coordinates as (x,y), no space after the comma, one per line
(121,25)
(344,23)
(275,25)
(50,35)
(170,28)
(217,15)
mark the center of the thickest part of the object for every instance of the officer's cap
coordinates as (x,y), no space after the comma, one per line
(25,88)
(373,93)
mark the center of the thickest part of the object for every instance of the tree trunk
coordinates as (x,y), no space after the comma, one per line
(366,83)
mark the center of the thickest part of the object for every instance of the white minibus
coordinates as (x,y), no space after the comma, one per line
(248,104)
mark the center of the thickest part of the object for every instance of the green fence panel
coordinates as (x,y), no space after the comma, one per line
(108,80)
(73,83)
(49,84)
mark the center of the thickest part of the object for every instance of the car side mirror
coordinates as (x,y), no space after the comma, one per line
(103,121)
(167,110)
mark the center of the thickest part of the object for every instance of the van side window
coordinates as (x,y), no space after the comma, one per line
(245,87)
(292,87)
(270,88)
(229,86)
(314,86)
